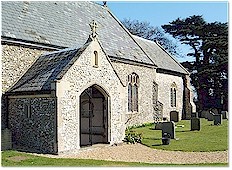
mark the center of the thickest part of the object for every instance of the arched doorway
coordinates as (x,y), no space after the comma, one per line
(93,116)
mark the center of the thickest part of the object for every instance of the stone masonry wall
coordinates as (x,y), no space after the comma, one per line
(79,77)
(37,132)
(145,103)
(16,60)
(164,82)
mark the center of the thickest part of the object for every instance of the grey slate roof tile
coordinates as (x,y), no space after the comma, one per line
(47,68)
(66,24)
(159,56)
(69,22)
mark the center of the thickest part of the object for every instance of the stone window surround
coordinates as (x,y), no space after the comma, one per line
(95,59)
(133,84)
(27,110)
(173,95)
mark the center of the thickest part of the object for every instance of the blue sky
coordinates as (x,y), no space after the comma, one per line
(162,12)
(159,13)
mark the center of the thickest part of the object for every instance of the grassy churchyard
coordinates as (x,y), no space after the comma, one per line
(209,138)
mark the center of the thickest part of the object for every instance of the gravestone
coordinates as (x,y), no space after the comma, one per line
(174,116)
(224,114)
(195,123)
(217,119)
(158,126)
(199,114)
(194,114)
(210,116)
(204,114)
(215,111)
(169,127)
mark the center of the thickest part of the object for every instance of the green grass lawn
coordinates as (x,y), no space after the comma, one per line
(19,159)
(209,138)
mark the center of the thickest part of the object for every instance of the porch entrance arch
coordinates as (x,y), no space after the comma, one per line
(93,116)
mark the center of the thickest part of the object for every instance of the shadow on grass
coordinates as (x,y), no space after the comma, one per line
(157,145)
(153,138)
(184,131)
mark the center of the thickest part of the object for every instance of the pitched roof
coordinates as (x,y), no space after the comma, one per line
(46,69)
(160,56)
(66,24)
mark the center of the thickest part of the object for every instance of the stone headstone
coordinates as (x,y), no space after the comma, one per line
(195,114)
(224,114)
(215,111)
(195,123)
(204,114)
(174,116)
(217,119)
(210,116)
(158,126)
(169,127)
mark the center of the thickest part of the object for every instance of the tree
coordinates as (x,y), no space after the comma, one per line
(209,72)
(145,30)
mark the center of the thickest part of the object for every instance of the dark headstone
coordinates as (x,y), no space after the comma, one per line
(215,111)
(195,123)
(174,116)
(217,119)
(210,116)
(224,114)
(158,126)
(165,139)
(169,128)
(205,113)
(194,114)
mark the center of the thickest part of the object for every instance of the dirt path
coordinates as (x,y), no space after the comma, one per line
(141,153)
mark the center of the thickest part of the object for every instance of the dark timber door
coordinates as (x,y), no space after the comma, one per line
(93,117)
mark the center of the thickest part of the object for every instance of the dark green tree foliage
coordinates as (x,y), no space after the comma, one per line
(145,30)
(209,72)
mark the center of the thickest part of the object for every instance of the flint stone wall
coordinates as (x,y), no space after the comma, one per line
(79,77)
(145,97)
(164,96)
(16,60)
(37,133)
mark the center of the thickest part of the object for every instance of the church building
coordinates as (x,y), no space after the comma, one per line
(74,76)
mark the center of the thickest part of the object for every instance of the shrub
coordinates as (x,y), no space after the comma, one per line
(132,137)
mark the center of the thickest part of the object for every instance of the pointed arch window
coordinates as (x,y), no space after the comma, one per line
(133,84)
(173,95)
(96,59)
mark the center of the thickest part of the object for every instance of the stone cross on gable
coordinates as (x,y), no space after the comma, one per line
(93,26)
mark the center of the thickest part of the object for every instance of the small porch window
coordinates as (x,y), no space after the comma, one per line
(96,59)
